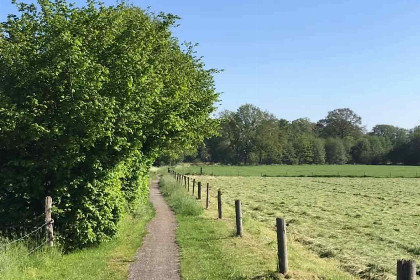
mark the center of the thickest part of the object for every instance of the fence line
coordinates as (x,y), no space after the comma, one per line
(406,269)
(49,222)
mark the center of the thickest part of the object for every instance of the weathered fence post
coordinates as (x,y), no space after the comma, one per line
(185,181)
(207,196)
(406,270)
(188,184)
(238,211)
(193,185)
(199,190)
(49,221)
(282,245)
(201,170)
(219,203)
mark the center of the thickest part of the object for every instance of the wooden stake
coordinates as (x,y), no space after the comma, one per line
(188,184)
(207,196)
(49,221)
(219,203)
(193,186)
(406,270)
(238,211)
(199,190)
(282,245)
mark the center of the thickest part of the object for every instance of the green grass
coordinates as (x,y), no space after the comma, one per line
(365,224)
(109,261)
(384,171)
(210,250)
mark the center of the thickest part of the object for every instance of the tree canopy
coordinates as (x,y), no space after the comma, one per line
(89,98)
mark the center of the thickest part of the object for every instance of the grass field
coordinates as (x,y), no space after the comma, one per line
(364,223)
(210,250)
(381,171)
(109,261)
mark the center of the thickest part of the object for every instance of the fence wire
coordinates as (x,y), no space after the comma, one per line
(26,236)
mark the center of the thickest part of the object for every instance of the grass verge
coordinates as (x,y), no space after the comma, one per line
(210,249)
(109,261)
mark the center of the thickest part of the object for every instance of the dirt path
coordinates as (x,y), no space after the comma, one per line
(158,258)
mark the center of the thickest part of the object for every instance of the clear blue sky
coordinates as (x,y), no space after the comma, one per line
(305,58)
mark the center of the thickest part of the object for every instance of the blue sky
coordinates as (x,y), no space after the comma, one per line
(305,58)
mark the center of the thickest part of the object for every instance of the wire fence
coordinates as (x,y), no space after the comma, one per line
(37,237)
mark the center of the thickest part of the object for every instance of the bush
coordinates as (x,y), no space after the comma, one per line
(89,98)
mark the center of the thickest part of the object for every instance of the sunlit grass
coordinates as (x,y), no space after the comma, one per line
(109,261)
(210,249)
(384,171)
(364,223)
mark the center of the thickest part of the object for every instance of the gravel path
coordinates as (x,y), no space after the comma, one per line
(158,258)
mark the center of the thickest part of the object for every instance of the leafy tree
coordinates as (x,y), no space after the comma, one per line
(89,98)
(318,145)
(397,136)
(341,123)
(361,152)
(335,151)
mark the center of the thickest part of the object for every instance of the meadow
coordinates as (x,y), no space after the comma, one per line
(210,249)
(365,224)
(376,171)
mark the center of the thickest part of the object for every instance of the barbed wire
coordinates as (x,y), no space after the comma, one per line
(26,235)
(37,247)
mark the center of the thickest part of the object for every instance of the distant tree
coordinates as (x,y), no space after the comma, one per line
(335,151)
(361,152)
(318,146)
(341,123)
(398,136)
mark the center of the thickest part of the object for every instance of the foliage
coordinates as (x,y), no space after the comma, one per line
(89,98)
(341,123)
(252,136)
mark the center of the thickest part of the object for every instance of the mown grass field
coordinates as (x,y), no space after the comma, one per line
(366,224)
(210,250)
(108,261)
(381,171)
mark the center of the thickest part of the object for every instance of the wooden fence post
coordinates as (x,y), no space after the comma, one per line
(238,211)
(49,221)
(188,184)
(201,170)
(406,270)
(193,186)
(185,181)
(207,196)
(282,245)
(219,203)
(199,190)
(169,171)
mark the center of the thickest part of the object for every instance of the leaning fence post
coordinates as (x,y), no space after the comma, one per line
(282,245)
(238,211)
(193,185)
(49,221)
(406,270)
(207,196)
(219,203)
(199,190)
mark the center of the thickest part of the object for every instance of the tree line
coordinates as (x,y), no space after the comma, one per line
(89,98)
(253,136)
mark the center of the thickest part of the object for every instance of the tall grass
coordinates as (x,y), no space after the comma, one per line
(108,261)
(178,198)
